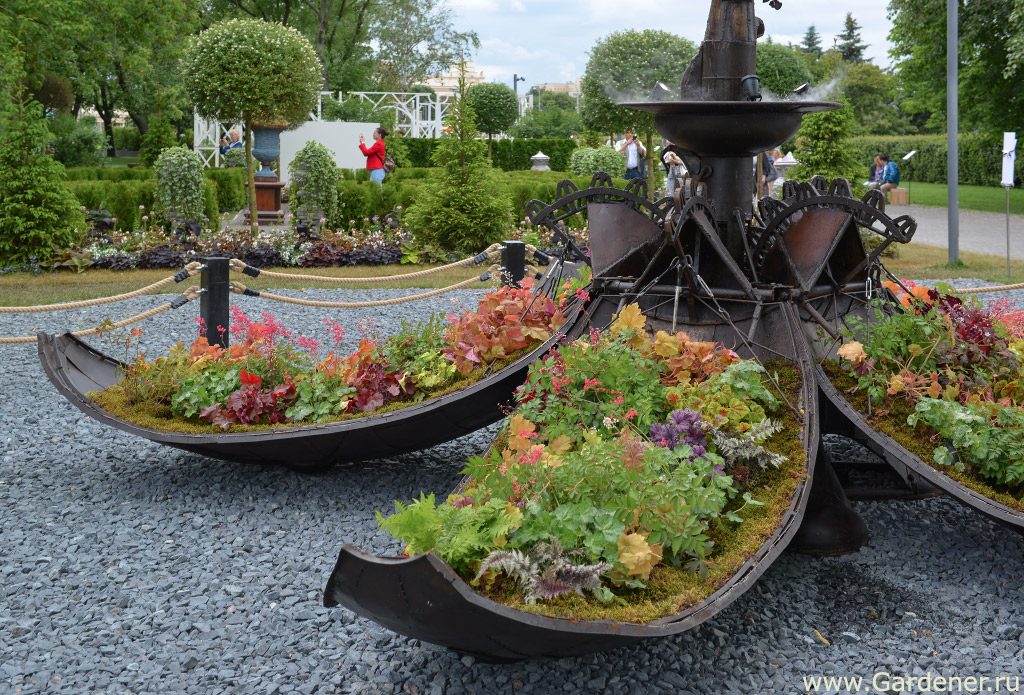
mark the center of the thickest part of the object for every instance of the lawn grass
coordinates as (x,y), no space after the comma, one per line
(983,198)
(24,289)
(919,261)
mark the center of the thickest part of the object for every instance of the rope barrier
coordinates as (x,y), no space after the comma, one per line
(185,273)
(239,288)
(187,296)
(993,288)
(240,266)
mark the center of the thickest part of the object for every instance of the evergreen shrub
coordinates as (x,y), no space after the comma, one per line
(179,185)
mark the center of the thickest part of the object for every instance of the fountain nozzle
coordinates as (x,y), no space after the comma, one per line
(750,85)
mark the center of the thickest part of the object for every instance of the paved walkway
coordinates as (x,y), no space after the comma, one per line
(981,232)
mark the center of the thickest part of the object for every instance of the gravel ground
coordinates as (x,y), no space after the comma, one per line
(129,567)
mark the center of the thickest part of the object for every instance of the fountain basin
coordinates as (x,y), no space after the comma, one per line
(729,128)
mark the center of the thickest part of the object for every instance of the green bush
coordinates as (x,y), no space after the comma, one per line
(980,156)
(231,193)
(38,211)
(467,207)
(179,185)
(421,151)
(157,138)
(511,155)
(109,173)
(127,138)
(587,161)
(314,185)
(123,198)
(823,147)
(234,157)
(359,199)
(76,142)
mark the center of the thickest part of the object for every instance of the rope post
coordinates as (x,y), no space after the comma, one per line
(513,262)
(216,299)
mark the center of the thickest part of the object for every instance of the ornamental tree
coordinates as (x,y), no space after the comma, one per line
(496,108)
(262,73)
(626,65)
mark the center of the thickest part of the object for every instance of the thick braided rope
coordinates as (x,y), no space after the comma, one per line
(191,268)
(242,289)
(491,253)
(993,288)
(189,294)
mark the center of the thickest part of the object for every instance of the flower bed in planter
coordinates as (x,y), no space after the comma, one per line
(945,379)
(270,377)
(635,476)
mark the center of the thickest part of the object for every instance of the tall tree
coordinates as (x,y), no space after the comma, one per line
(849,42)
(812,42)
(1015,44)
(625,65)
(496,108)
(415,39)
(781,68)
(990,99)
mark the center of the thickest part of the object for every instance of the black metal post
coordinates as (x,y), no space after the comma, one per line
(216,299)
(513,262)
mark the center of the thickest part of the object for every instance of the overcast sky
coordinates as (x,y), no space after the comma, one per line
(549,40)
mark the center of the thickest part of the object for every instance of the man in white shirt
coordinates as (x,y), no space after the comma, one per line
(634,153)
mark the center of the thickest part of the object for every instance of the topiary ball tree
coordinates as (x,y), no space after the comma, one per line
(262,73)
(496,108)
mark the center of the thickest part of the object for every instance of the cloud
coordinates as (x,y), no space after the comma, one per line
(469,6)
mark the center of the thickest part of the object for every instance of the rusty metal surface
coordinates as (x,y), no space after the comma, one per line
(424,598)
(622,241)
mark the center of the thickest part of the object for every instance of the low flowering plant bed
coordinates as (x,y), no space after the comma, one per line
(270,377)
(944,377)
(635,476)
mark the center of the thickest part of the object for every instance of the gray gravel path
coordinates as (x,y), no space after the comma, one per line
(129,567)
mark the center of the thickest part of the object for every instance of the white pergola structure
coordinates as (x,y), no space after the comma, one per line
(417,115)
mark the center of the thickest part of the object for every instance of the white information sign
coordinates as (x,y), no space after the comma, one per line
(1009,155)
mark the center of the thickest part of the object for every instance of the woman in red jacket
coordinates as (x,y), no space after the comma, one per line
(375,154)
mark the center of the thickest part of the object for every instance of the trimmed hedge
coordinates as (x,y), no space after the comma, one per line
(229,183)
(231,193)
(510,155)
(123,198)
(980,156)
(111,173)
(359,199)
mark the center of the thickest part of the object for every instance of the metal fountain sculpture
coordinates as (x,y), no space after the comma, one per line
(772,282)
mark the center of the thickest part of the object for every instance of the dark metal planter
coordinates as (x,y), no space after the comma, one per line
(424,598)
(76,369)
(841,417)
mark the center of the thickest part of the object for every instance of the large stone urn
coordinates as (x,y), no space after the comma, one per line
(267,149)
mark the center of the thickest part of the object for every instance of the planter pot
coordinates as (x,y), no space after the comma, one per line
(266,147)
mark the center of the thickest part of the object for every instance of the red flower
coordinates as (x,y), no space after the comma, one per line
(250,379)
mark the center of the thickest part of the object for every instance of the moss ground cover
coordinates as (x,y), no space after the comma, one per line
(635,476)
(945,379)
(272,378)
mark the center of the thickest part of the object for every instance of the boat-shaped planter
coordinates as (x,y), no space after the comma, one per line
(840,416)
(424,598)
(76,369)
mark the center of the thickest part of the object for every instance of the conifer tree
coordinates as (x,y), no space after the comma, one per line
(849,42)
(812,42)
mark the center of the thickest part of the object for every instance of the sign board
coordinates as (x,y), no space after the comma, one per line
(1009,156)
